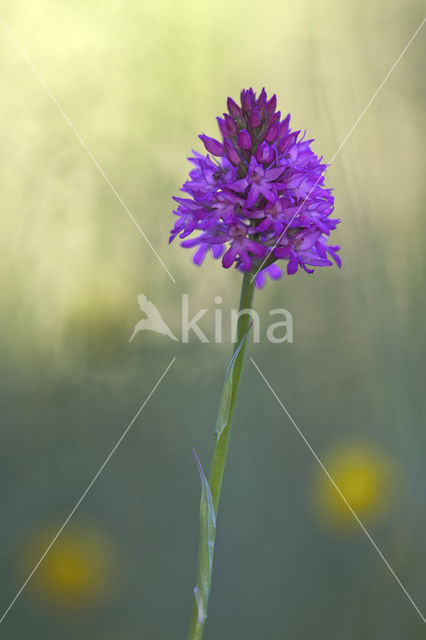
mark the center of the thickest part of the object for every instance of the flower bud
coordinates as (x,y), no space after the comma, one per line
(247,100)
(272,132)
(288,141)
(233,108)
(284,127)
(231,127)
(264,153)
(272,105)
(254,120)
(261,103)
(262,96)
(212,146)
(244,140)
(231,153)
(222,127)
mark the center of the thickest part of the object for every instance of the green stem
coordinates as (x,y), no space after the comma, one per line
(221,447)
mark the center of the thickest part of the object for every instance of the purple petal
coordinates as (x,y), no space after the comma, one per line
(260,279)
(273,174)
(229,256)
(200,254)
(292,266)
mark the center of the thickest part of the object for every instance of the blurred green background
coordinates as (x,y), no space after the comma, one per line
(139,81)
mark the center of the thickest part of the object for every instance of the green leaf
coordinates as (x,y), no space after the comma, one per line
(207,536)
(227,392)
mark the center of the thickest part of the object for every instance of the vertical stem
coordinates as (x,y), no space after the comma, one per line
(221,447)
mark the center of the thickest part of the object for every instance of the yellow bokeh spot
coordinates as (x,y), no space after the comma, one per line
(78,571)
(365,477)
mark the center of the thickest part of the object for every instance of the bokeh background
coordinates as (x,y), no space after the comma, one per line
(140,80)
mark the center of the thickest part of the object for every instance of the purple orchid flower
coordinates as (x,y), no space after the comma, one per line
(258,196)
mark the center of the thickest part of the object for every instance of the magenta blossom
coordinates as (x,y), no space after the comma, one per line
(258,197)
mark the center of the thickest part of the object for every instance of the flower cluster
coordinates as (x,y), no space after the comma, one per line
(258,196)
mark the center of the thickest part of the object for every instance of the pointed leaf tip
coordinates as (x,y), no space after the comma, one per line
(207,537)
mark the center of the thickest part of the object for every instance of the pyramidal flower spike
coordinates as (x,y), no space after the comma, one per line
(279,209)
(258,202)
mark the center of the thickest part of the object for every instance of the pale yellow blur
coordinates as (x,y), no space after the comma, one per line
(78,572)
(366,477)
